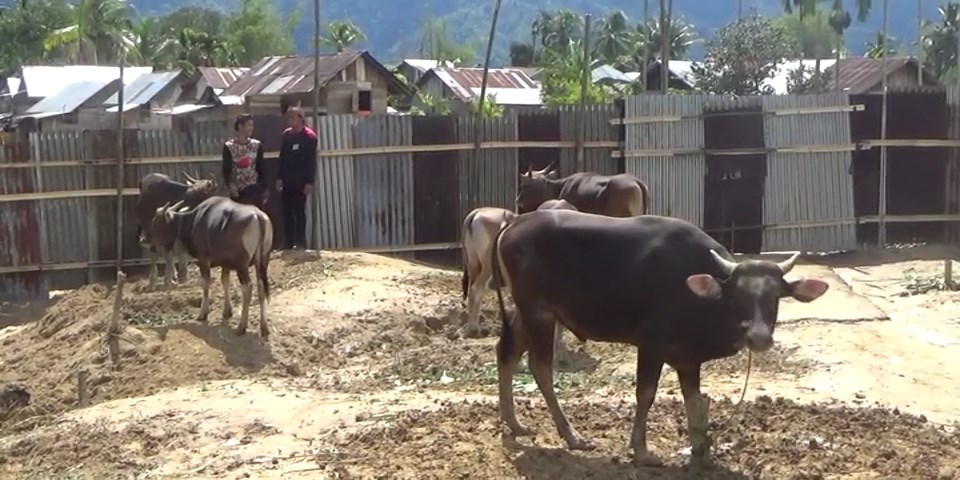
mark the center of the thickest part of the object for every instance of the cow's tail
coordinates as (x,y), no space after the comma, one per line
(645,194)
(505,346)
(464,235)
(262,258)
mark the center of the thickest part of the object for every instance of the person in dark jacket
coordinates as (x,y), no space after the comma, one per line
(243,171)
(298,166)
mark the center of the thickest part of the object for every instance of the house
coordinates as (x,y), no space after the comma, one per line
(151,92)
(39,82)
(350,82)
(202,98)
(510,87)
(217,79)
(860,75)
(681,75)
(414,68)
(77,107)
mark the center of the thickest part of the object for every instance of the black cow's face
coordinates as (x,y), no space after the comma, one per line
(753,290)
(163,226)
(534,188)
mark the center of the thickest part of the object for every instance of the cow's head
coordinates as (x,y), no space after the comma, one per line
(535,188)
(199,190)
(164,226)
(753,290)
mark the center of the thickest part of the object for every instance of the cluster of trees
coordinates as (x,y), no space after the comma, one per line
(101,31)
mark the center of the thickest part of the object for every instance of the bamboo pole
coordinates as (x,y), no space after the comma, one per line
(312,201)
(120,103)
(585,78)
(882,208)
(478,115)
(644,62)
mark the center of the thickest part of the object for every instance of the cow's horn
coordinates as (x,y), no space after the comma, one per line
(176,206)
(190,179)
(529,170)
(725,265)
(549,168)
(787,265)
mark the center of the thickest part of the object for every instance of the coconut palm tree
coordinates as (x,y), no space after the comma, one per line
(647,40)
(940,40)
(153,45)
(342,34)
(615,38)
(99,31)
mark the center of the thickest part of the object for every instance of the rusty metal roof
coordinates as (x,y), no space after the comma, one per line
(220,78)
(466,83)
(860,75)
(290,74)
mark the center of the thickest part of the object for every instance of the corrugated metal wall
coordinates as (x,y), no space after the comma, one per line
(383,188)
(333,198)
(597,128)
(676,182)
(807,187)
(953,165)
(488,179)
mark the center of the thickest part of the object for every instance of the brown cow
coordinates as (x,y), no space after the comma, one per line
(220,232)
(658,283)
(156,190)
(480,226)
(619,195)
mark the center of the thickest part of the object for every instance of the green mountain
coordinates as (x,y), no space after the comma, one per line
(393,26)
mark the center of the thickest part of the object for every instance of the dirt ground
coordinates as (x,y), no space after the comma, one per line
(365,376)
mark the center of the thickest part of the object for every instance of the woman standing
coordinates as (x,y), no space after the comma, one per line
(243,170)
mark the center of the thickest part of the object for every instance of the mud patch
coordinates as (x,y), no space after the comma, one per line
(775,439)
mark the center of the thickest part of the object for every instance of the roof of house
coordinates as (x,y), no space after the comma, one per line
(423,65)
(144,89)
(71,98)
(608,73)
(859,74)
(509,86)
(220,78)
(43,81)
(293,74)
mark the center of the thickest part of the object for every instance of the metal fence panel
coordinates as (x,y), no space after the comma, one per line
(953,164)
(807,187)
(675,182)
(597,128)
(488,179)
(383,191)
(333,197)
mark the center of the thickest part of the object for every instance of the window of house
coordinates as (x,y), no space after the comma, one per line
(364,100)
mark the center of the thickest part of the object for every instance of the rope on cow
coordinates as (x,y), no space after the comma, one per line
(743,394)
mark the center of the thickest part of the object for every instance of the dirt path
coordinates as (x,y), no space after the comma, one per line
(366,376)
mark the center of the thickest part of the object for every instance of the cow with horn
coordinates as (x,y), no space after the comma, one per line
(157,189)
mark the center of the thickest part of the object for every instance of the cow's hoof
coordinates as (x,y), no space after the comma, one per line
(701,462)
(580,443)
(519,430)
(647,459)
(470,333)
(227,315)
(241,332)
(202,318)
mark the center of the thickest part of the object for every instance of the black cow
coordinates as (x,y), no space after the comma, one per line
(658,283)
(621,195)
(156,190)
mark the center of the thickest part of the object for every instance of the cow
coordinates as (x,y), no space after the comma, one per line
(157,189)
(480,227)
(619,195)
(658,283)
(220,232)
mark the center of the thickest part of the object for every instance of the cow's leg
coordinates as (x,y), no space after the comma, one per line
(154,260)
(478,286)
(262,295)
(540,329)
(649,368)
(247,289)
(698,416)
(205,302)
(168,267)
(183,273)
(227,303)
(510,348)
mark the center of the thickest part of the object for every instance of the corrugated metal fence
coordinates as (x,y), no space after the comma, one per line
(403,176)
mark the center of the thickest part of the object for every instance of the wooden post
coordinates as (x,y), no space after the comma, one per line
(585,79)
(948,273)
(83,396)
(882,208)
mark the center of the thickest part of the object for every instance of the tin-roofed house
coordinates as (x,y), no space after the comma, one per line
(77,107)
(146,96)
(510,87)
(37,82)
(350,83)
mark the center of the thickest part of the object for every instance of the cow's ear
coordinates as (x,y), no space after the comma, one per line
(808,290)
(704,286)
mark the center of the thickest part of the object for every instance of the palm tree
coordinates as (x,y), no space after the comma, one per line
(940,41)
(342,34)
(648,36)
(100,31)
(614,39)
(839,20)
(200,49)
(880,43)
(152,44)
(557,30)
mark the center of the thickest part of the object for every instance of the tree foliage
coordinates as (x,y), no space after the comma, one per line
(742,55)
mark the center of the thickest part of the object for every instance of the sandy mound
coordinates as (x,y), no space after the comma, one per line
(775,439)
